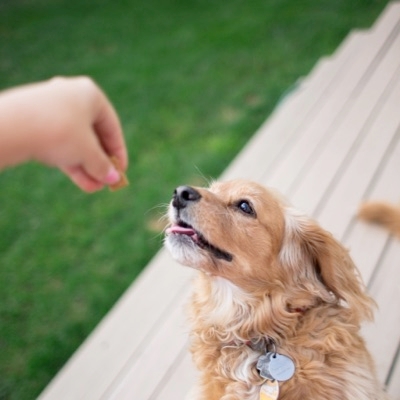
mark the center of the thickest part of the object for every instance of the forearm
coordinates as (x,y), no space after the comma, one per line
(19,123)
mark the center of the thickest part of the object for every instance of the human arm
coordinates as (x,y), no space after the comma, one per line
(67,123)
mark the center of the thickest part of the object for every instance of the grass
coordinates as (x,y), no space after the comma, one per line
(192,81)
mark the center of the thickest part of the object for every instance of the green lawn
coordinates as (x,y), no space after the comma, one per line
(192,81)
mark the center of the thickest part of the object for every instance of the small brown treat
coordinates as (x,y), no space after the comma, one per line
(123,180)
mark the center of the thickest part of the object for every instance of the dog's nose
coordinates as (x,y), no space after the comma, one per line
(184,195)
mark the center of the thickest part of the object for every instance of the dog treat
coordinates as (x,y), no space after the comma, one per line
(123,180)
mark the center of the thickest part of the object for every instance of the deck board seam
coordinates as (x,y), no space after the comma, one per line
(396,359)
(378,266)
(342,168)
(135,355)
(383,50)
(181,355)
(384,161)
(314,111)
(309,116)
(345,110)
(313,108)
(375,177)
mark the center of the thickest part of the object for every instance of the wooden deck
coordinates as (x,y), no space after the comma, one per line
(332,143)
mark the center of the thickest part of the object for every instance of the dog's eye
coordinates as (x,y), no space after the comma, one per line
(245,206)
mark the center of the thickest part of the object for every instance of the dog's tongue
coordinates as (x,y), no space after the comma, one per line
(181,230)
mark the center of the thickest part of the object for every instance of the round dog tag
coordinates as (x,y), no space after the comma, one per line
(263,366)
(269,390)
(281,367)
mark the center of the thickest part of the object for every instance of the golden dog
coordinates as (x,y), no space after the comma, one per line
(272,284)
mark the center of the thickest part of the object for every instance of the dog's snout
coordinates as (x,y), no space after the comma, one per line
(184,195)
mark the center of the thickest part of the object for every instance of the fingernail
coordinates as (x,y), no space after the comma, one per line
(112,177)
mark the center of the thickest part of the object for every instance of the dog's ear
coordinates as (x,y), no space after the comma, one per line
(331,263)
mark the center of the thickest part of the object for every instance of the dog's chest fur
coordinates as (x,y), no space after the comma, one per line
(222,319)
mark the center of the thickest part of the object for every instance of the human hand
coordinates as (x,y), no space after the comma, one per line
(65,122)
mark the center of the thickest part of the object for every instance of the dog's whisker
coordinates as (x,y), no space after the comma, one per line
(163,206)
(208,180)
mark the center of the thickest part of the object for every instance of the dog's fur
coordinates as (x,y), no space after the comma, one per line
(270,273)
(382,213)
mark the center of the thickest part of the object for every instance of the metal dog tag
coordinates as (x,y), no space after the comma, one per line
(281,367)
(263,366)
(269,390)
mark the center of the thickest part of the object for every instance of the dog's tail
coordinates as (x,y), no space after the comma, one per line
(381,213)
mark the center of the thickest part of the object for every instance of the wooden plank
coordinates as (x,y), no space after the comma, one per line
(144,374)
(382,287)
(391,11)
(367,242)
(325,164)
(193,394)
(184,375)
(272,137)
(394,382)
(122,334)
(375,140)
(329,65)
(300,173)
(382,337)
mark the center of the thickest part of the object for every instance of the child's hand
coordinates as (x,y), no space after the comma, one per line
(64,122)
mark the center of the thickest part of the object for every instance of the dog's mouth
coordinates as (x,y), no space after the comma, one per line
(184,229)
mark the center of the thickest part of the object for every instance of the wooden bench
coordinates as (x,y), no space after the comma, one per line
(330,144)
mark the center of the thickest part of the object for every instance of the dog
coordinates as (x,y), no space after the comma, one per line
(271,284)
(385,214)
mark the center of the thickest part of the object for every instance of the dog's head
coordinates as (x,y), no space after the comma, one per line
(240,231)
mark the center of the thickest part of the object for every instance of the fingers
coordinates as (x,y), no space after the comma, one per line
(98,165)
(82,179)
(105,139)
(109,132)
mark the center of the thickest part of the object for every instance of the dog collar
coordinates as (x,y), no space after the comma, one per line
(261,344)
(299,310)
